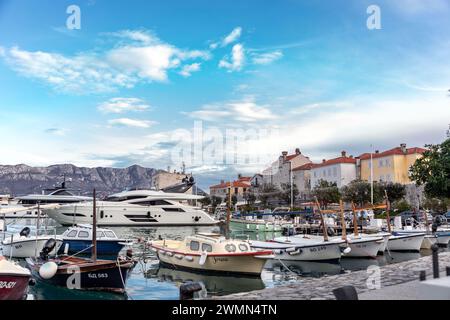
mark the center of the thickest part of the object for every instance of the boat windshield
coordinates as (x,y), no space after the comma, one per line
(124,198)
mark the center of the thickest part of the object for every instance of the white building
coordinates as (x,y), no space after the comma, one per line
(302,180)
(280,171)
(340,170)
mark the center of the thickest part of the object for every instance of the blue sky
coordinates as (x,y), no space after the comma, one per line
(115,92)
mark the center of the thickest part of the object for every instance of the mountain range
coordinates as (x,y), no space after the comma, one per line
(22,179)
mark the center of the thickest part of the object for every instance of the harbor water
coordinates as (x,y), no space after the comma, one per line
(149,281)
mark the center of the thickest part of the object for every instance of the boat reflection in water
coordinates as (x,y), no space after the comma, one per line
(215,285)
(304,268)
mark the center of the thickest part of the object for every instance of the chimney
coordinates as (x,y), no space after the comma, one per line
(403,146)
(344,154)
(297,151)
(284,154)
(323,160)
(377,151)
(222,181)
(239,175)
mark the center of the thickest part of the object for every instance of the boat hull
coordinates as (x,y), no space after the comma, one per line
(129,215)
(28,247)
(325,252)
(104,247)
(252,226)
(13,287)
(108,277)
(230,264)
(363,248)
(405,242)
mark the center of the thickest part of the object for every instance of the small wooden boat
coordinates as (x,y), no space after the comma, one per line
(14,280)
(82,273)
(79,239)
(211,253)
(405,242)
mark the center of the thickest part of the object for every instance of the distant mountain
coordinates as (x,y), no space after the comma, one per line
(22,179)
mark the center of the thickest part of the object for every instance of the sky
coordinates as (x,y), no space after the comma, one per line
(159,83)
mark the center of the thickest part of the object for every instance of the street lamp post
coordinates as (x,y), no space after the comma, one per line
(371,174)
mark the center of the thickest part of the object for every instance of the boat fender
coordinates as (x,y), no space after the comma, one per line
(49,245)
(347,250)
(292,249)
(179,256)
(189,258)
(203,258)
(162,252)
(25,232)
(277,251)
(48,270)
(296,252)
(66,249)
(169,254)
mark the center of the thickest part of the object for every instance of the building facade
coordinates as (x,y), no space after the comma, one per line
(280,171)
(341,170)
(389,166)
(302,180)
(238,187)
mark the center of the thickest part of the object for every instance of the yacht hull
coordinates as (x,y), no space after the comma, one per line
(132,215)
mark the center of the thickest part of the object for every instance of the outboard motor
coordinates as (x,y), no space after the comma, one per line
(48,247)
(434,227)
(25,232)
(331,232)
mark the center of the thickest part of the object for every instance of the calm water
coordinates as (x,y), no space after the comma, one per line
(149,281)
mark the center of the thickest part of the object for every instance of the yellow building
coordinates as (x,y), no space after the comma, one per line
(391,165)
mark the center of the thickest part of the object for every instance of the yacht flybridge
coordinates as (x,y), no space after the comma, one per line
(136,208)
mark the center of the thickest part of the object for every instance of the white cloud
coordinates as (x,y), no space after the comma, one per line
(237,59)
(141,57)
(267,58)
(126,122)
(246,110)
(415,7)
(187,70)
(122,105)
(230,38)
(56,131)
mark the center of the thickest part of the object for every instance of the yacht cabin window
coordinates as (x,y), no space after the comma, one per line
(230,248)
(195,245)
(110,234)
(100,234)
(243,247)
(72,234)
(83,234)
(206,247)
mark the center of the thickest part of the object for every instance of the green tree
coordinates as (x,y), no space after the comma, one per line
(395,191)
(401,206)
(326,192)
(436,205)
(234,200)
(206,201)
(357,191)
(215,201)
(433,170)
(267,192)
(285,193)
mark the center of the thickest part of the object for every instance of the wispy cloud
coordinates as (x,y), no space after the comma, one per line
(266,58)
(188,69)
(237,60)
(230,38)
(126,122)
(56,131)
(245,110)
(122,105)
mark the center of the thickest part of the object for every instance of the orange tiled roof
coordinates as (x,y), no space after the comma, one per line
(235,184)
(307,166)
(335,161)
(392,152)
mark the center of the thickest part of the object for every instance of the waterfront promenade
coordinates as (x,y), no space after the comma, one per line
(398,281)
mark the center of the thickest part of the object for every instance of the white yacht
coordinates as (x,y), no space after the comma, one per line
(136,208)
(17,206)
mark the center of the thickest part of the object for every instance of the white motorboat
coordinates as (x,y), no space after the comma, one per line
(24,245)
(405,242)
(211,253)
(441,236)
(303,248)
(136,208)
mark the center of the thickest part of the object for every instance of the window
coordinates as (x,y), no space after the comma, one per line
(230,248)
(388,163)
(83,234)
(100,235)
(110,234)
(380,163)
(195,245)
(206,247)
(236,190)
(72,234)
(315,174)
(243,247)
(329,172)
(153,203)
(334,172)
(173,209)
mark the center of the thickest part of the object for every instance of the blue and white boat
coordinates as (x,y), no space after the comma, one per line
(78,240)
